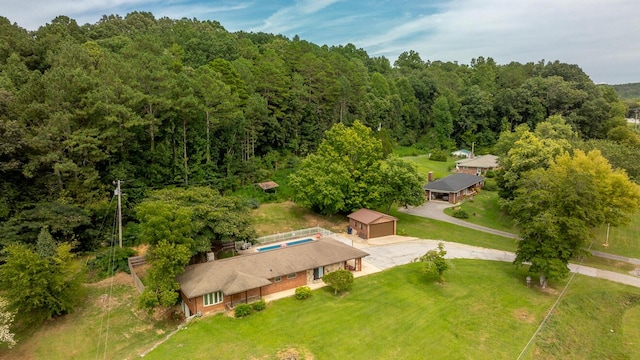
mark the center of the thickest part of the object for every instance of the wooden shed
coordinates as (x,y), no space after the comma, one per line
(370,224)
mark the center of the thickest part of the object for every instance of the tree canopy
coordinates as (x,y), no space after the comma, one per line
(43,282)
(349,172)
(558,209)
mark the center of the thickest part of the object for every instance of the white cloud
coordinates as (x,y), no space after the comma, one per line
(594,34)
(294,17)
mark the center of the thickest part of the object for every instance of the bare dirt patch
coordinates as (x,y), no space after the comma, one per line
(547,290)
(524,316)
(294,354)
(121,278)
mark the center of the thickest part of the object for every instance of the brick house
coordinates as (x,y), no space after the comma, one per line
(370,224)
(477,165)
(453,188)
(222,284)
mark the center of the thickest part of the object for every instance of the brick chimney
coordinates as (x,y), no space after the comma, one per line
(430,176)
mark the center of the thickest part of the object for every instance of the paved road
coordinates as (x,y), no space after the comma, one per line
(435,210)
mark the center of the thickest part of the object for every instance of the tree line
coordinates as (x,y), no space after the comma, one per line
(162,101)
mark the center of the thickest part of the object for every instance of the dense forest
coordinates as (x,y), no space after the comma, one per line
(158,102)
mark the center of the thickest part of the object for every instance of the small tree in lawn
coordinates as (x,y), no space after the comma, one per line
(435,262)
(340,280)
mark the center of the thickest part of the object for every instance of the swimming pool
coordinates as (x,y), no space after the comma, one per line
(290,243)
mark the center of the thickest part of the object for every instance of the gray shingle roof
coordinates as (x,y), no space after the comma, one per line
(246,272)
(454,183)
(485,161)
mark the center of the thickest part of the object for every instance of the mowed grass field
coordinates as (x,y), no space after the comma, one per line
(425,165)
(483,311)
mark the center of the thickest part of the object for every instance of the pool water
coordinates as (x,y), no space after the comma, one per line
(290,243)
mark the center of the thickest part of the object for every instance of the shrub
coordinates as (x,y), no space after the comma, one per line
(111,261)
(490,185)
(490,174)
(252,203)
(461,214)
(243,310)
(259,305)
(438,155)
(303,292)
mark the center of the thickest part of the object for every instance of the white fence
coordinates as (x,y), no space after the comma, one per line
(294,234)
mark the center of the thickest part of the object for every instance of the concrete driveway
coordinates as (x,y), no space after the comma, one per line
(389,251)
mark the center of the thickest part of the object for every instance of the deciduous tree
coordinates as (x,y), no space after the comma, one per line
(344,174)
(401,183)
(167,261)
(559,208)
(39,287)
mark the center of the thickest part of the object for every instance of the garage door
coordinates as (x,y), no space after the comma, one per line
(384,229)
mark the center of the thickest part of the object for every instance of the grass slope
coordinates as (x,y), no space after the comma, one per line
(595,320)
(82,334)
(274,218)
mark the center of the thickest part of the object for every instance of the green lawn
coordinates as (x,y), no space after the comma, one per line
(484,311)
(623,240)
(484,210)
(423,228)
(424,165)
(399,313)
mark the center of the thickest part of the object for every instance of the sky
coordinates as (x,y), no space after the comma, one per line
(602,37)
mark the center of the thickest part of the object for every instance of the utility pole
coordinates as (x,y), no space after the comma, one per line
(606,241)
(119,193)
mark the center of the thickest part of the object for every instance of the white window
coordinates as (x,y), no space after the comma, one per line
(212,298)
(291,276)
(277,279)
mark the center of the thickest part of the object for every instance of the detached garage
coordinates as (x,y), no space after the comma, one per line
(371,224)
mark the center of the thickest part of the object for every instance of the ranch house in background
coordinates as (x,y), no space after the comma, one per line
(222,284)
(453,188)
(369,224)
(477,165)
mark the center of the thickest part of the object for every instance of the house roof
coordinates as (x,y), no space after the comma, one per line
(454,183)
(464,152)
(246,272)
(267,185)
(367,216)
(484,161)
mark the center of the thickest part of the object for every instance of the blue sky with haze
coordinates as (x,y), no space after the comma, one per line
(600,36)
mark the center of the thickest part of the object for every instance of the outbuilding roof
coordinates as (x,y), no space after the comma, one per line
(246,272)
(485,161)
(267,185)
(454,183)
(367,216)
